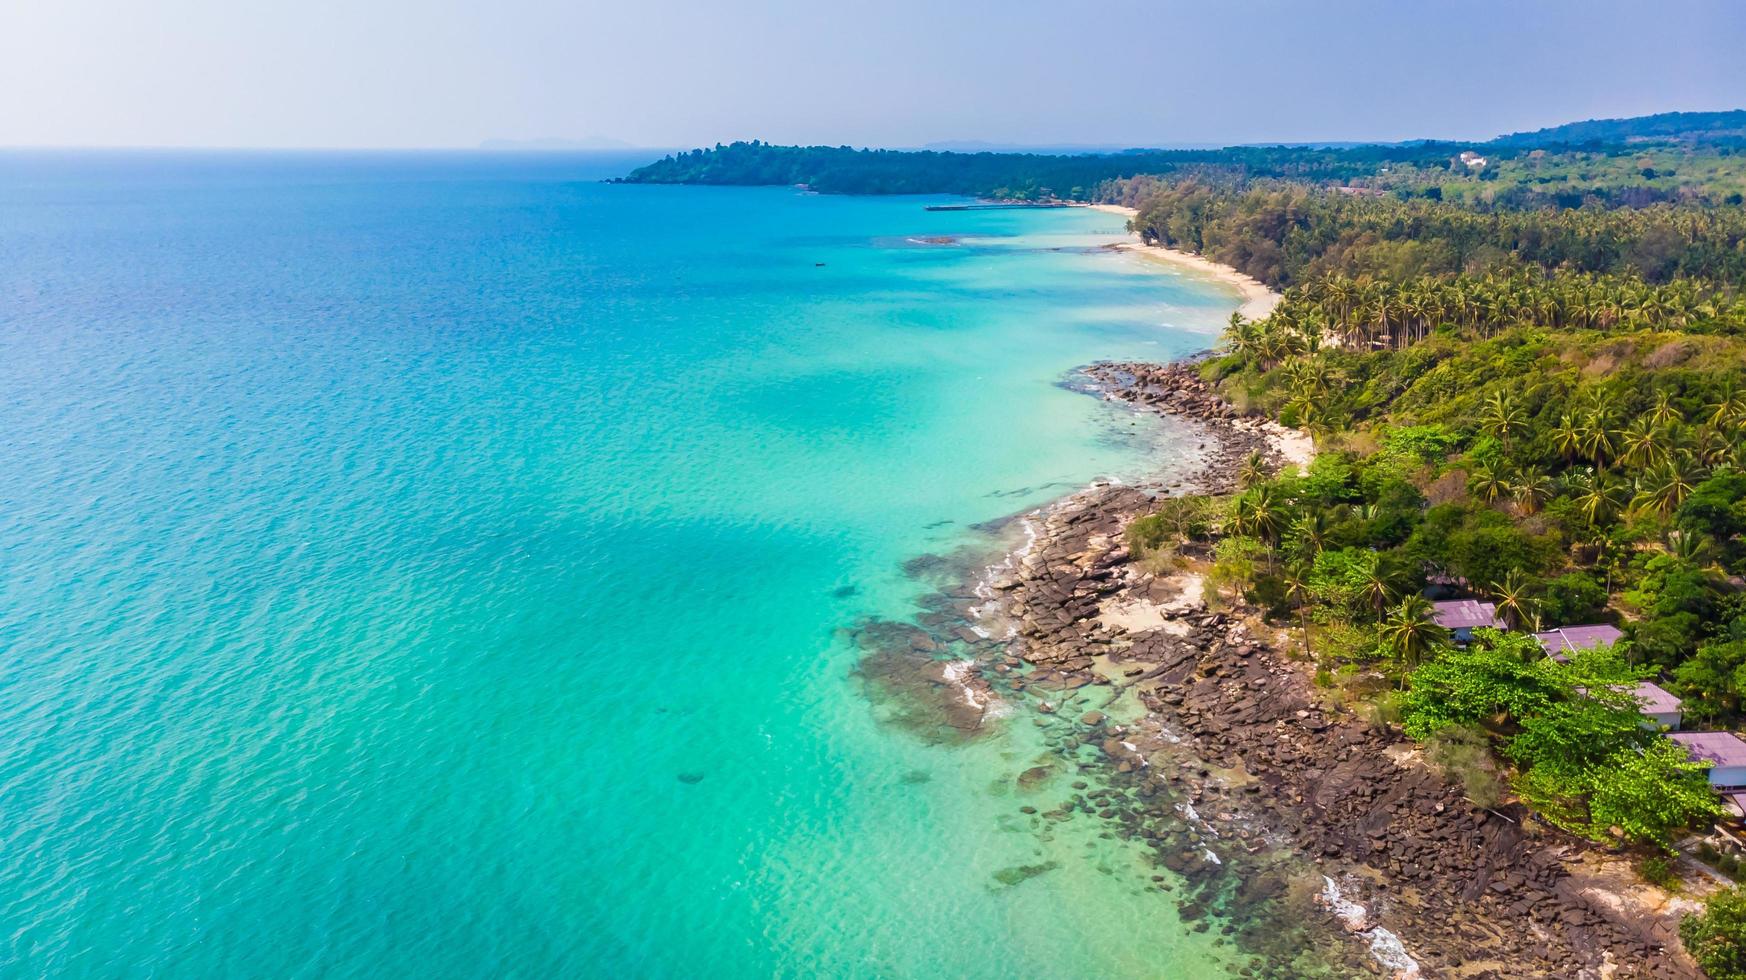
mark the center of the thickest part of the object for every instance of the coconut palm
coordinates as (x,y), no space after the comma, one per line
(1663,412)
(1597,496)
(1373,581)
(1410,632)
(1665,486)
(1312,531)
(1488,482)
(1253,470)
(1297,592)
(1513,601)
(1502,417)
(1642,444)
(1568,435)
(1530,489)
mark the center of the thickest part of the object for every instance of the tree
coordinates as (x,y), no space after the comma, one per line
(1253,470)
(1649,794)
(1297,592)
(1716,937)
(1502,417)
(1488,481)
(1373,581)
(1513,601)
(1664,487)
(1712,679)
(1411,632)
(1530,489)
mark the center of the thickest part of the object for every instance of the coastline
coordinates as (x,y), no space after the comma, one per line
(1258,300)
(1314,842)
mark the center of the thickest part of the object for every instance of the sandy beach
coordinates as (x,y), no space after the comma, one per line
(1258,299)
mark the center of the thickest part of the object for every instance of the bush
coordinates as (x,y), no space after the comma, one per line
(1716,937)
(1382,713)
(1658,870)
(1463,754)
(1573,599)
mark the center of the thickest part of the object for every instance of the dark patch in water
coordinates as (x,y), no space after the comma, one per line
(915,777)
(926,565)
(909,687)
(1035,777)
(691,778)
(1018,874)
(846,591)
(936,525)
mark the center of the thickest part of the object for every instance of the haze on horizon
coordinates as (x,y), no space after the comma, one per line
(449,73)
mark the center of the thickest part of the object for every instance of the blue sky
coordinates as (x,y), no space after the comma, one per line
(411,73)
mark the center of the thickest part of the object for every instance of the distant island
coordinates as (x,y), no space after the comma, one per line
(1518,558)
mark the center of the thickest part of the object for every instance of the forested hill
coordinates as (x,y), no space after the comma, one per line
(1701,126)
(845,170)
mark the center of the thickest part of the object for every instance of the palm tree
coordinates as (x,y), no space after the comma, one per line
(1513,601)
(1689,548)
(1530,490)
(1488,482)
(1411,631)
(1312,530)
(1297,592)
(1373,583)
(1568,435)
(1599,437)
(1644,444)
(1663,488)
(1501,417)
(1664,413)
(1598,496)
(1730,406)
(1253,470)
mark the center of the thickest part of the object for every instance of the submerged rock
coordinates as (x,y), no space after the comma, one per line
(1021,873)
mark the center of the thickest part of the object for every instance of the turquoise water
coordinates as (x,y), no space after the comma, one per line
(384,536)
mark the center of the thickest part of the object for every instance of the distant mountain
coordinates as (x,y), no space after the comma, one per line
(1698,126)
(557,143)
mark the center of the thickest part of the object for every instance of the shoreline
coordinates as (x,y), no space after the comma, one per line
(1257,299)
(1316,843)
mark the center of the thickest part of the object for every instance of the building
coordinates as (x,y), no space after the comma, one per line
(1564,641)
(1462,616)
(1722,748)
(1473,160)
(1659,706)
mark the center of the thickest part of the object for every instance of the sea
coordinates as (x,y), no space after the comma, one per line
(447,565)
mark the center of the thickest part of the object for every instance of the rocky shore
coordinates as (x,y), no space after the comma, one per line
(1314,841)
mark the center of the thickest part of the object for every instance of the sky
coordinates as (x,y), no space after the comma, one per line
(659,73)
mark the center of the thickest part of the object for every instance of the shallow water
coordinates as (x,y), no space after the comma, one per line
(434,565)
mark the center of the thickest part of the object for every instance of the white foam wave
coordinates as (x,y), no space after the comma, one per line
(1385,947)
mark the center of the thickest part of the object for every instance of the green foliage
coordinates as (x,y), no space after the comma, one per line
(1174,522)
(1586,761)
(1712,680)
(1463,754)
(1497,678)
(1716,509)
(1716,937)
(1652,793)
(1573,598)
(1658,870)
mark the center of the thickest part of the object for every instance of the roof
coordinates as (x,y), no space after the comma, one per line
(1655,699)
(1722,748)
(1465,613)
(1569,639)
